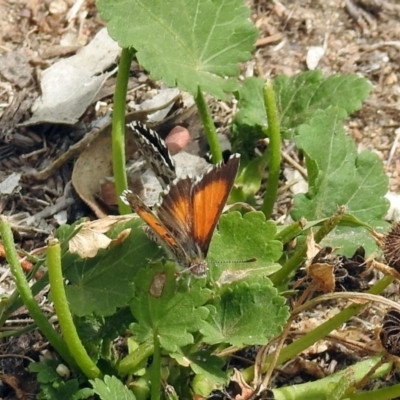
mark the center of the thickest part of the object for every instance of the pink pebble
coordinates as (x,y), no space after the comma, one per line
(177,139)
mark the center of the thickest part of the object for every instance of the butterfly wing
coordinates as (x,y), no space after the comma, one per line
(209,196)
(176,209)
(155,152)
(163,234)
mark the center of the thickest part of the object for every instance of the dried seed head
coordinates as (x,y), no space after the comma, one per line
(391,247)
(390,333)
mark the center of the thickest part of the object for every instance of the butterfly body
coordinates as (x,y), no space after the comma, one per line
(185,220)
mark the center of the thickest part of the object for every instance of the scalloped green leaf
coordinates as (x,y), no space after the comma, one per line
(240,238)
(191,44)
(102,284)
(171,315)
(111,388)
(246,315)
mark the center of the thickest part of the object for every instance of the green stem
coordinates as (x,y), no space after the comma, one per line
(118,127)
(66,322)
(283,275)
(129,364)
(320,331)
(156,370)
(17,333)
(274,152)
(209,128)
(322,388)
(388,393)
(27,296)
(291,231)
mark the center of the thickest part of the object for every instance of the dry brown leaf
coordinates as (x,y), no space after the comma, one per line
(91,236)
(246,389)
(313,249)
(322,277)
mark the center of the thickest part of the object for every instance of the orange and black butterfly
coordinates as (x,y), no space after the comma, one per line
(185,220)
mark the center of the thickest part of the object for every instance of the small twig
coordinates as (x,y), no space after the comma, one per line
(275,357)
(17,356)
(376,46)
(295,164)
(73,151)
(269,39)
(394,146)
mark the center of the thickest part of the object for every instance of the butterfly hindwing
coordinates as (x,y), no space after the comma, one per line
(164,236)
(155,152)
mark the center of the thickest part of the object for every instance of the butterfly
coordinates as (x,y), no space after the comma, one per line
(185,219)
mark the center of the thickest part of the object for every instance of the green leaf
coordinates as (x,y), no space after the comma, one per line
(300,96)
(104,283)
(111,388)
(251,103)
(186,43)
(240,238)
(246,315)
(203,363)
(46,371)
(339,176)
(172,315)
(248,183)
(65,391)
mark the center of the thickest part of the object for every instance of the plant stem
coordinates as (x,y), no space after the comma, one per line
(118,127)
(156,370)
(274,153)
(133,359)
(67,325)
(322,388)
(283,275)
(387,393)
(291,231)
(209,127)
(27,296)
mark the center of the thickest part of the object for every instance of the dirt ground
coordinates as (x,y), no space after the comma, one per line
(361,37)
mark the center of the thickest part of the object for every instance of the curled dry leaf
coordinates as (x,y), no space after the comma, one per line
(322,277)
(320,265)
(91,236)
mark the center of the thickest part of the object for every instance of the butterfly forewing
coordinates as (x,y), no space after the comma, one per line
(176,209)
(209,196)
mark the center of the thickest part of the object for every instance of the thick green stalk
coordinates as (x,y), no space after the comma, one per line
(118,127)
(209,127)
(65,320)
(27,296)
(274,152)
(323,388)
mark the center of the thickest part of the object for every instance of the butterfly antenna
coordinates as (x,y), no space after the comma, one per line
(250,260)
